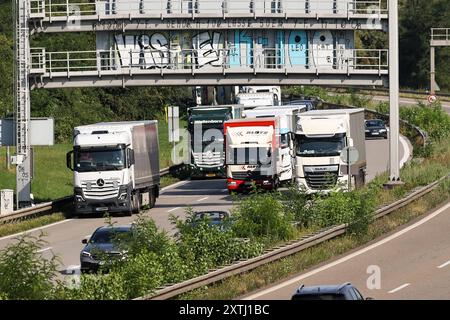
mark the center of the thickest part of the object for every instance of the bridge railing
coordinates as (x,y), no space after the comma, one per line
(211,61)
(192,8)
(440,34)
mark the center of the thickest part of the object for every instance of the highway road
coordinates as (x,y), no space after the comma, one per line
(412,263)
(64,238)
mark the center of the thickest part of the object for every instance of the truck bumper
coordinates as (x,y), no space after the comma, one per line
(246,185)
(203,172)
(111,205)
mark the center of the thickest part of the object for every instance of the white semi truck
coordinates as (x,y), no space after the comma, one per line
(116,166)
(288,116)
(257,96)
(321,136)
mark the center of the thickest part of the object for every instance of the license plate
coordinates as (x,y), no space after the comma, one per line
(101,209)
(375,133)
(248,183)
(210,175)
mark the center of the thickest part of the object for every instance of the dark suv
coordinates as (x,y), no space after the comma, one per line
(334,292)
(375,128)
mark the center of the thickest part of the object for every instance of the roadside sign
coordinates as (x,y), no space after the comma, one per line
(431,99)
(349,154)
(174,128)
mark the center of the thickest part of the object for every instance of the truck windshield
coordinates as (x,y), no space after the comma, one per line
(320,147)
(251,155)
(99,160)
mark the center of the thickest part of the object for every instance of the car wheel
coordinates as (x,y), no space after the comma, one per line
(152,197)
(136,202)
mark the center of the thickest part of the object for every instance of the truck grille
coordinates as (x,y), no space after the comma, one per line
(321,180)
(93,191)
(253,175)
(208,159)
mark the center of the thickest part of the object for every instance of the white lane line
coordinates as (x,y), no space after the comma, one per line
(35,229)
(174,185)
(444,265)
(350,256)
(45,249)
(173,209)
(406,151)
(403,286)
(202,199)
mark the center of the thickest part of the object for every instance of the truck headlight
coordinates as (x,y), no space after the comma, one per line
(86,254)
(367,130)
(123,193)
(78,192)
(382,130)
(232,183)
(266,182)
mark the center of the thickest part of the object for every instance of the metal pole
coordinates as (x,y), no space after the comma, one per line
(348,169)
(394,166)
(432,71)
(8,157)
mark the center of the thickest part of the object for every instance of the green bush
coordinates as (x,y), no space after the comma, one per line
(96,287)
(261,215)
(203,246)
(25,273)
(433,119)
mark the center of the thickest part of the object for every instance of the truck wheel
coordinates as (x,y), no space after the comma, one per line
(136,203)
(152,197)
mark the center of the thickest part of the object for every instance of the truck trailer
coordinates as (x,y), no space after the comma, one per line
(252,157)
(321,136)
(288,116)
(116,166)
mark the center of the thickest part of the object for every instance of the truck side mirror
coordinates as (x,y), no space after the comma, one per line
(131,159)
(69,160)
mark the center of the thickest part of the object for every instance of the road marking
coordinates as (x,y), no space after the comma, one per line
(403,286)
(174,185)
(35,229)
(444,265)
(173,209)
(202,199)
(45,249)
(406,151)
(350,256)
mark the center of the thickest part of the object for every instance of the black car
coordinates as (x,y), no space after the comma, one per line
(330,292)
(375,128)
(101,247)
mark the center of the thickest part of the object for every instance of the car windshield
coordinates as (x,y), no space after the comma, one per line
(320,147)
(105,236)
(249,156)
(319,297)
(214,216)
(99,160)
(374,123)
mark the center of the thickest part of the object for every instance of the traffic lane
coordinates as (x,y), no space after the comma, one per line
(377,155)
(65,238)
(408,262)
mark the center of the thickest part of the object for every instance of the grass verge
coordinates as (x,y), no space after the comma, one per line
(240,285)
(13,228)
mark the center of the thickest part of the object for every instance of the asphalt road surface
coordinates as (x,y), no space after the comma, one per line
(64,238)
(411,101)
(412,263)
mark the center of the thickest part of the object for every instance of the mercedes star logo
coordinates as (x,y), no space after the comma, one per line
(100,182)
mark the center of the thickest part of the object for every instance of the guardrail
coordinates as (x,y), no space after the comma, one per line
(440,34)
(283,251)
(416,92)
(113,9)
(49,207)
